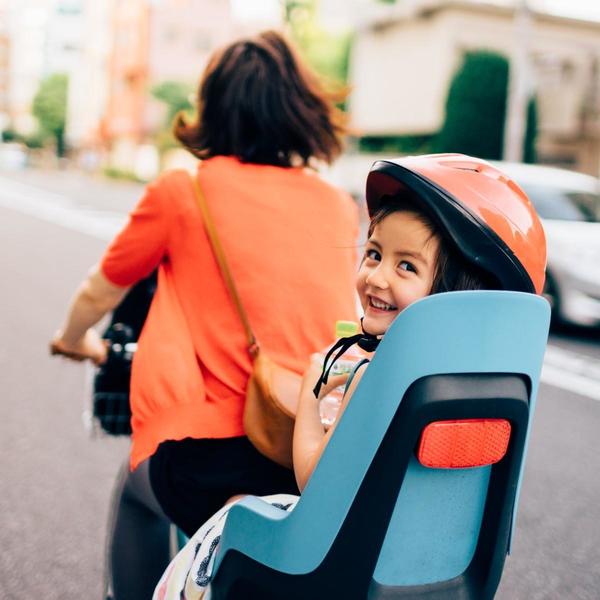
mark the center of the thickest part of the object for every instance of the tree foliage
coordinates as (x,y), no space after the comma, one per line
(328,53)
(476,107)
(176,95)
(50,109)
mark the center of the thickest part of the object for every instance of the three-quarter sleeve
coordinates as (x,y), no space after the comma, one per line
(143,242)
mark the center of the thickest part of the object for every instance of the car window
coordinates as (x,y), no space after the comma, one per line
(564,205)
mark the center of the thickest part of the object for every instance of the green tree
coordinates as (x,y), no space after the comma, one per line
(328,53)
(50,109)
(176,95)
(10,135)
(476,107)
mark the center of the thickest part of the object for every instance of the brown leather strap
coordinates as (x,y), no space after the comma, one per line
(220,256)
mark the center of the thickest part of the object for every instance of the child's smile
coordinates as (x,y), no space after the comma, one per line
(398,268)
(379,304)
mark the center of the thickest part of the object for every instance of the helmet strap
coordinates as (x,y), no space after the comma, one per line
(366,341)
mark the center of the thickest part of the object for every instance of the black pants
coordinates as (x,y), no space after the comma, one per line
(187,482)
(138,538)
(192,479)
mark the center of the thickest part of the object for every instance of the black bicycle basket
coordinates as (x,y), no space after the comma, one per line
(111,408)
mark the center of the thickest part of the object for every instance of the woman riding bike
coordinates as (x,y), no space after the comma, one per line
(261,120)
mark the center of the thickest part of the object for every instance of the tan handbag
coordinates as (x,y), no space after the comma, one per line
(273,391)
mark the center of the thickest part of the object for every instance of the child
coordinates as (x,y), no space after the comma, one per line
(422,240)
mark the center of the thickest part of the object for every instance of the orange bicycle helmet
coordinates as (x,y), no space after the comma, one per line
(486,215)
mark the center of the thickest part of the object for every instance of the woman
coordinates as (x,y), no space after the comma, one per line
(289,239)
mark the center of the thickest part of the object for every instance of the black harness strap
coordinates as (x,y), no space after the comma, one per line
(366,341)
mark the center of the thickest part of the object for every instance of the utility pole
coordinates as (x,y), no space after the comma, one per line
(519,85)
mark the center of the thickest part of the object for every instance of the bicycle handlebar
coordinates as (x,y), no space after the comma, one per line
(114,349)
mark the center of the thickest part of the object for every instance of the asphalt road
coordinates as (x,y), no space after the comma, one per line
(56,481)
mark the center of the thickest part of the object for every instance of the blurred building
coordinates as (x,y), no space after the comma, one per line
(130,47)
(25,25)
(88,85)
(402,65)
(63,36)
(182,35)
(123,120)
(37,38)
(114,53)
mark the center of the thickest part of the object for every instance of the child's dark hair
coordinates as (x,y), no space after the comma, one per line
(452,273)
(258,102)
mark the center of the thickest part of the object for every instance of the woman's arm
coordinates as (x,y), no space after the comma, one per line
(94,298)
(310,437)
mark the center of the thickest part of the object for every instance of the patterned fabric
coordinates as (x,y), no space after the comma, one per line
(190,572)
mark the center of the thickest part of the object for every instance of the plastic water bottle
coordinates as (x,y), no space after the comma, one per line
(331,403)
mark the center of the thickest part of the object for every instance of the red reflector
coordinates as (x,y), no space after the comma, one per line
(465,443)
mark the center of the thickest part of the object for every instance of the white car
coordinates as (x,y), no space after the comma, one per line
(569,205)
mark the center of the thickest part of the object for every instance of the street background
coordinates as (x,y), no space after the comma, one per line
(88,93)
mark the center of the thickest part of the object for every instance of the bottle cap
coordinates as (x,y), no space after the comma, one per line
(346,328)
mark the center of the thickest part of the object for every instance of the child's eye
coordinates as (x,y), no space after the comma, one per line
(373,254)
(406,266)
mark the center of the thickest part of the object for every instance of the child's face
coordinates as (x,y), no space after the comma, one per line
(398,268)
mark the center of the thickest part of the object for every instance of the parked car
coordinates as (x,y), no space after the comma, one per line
(12,156)
(569,205)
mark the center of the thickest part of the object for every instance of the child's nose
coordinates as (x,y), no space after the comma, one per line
(377,278)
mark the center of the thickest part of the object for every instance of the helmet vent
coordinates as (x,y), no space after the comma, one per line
(463,165)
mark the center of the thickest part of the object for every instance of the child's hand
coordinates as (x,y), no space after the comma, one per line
(313,374)
(309,433)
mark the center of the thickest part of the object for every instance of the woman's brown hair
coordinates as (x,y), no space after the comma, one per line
(258,102)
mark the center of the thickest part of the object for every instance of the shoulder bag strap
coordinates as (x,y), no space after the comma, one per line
(220,256)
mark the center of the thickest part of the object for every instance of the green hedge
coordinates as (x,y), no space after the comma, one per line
(476,107)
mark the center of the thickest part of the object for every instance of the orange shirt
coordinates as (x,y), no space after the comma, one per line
(290,241)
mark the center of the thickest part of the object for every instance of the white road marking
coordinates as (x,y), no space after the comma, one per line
(572,371)
(564,369)
(59,210)
(561,378)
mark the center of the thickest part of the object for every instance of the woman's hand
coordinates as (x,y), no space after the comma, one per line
(90,347)
(94,298)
